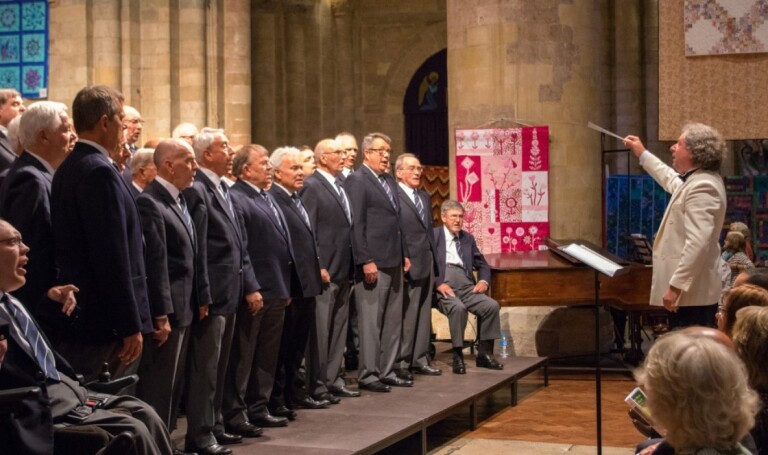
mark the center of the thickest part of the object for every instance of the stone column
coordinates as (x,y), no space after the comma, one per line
(188,68)
(236,77)
(267,108)
(295,71)
(153,95)
(345,102)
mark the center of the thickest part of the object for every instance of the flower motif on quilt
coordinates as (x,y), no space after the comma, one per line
(512,206)
(468,179)
(490,239)
(523,236)
(535,196)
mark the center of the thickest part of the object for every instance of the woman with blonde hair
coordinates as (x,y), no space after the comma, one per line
(750,339)
(698,395)
(736,299)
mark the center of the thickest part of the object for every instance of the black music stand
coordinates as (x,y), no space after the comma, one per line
(600,264)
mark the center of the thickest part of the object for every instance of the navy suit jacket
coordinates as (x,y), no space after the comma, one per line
(25,202)
(418,235)
(376,232)
(30,431)
(332,228)
(470,254)
(226,271)
(304,247)
(7,157)
(171,256)
(269,247)
(99,247)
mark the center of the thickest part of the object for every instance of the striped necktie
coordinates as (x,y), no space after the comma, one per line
(225,191)
(419,205)
(343,197)
(302,210)
(185,213)
(383,181)
(43,353)
(274,209)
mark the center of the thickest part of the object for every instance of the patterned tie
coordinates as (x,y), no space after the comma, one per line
(185,213)
(302,210)
(383,181)
(225,191)
(43,354)
(343,197)
(274,209)
(419,206)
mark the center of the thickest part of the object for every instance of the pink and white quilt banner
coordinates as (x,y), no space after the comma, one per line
(503,183)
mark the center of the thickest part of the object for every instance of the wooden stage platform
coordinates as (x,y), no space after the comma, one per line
(375,421)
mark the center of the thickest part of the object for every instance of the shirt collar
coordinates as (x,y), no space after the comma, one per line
(169,187)
(42,161)
(331,179)
(684,176)
(289,193)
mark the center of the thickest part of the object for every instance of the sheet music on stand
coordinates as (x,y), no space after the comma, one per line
(593,259)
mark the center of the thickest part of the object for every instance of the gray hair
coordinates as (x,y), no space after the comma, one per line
(182,128)
(39,116)
(243,156)
(706,145)
(450,204)
(142,158)
(697,379)
(401,158)
(203,140)
(368,140)
(277,157)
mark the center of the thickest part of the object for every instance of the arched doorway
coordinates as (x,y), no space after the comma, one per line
(425,107)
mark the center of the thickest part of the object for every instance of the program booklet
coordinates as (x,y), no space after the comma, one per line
(637,400)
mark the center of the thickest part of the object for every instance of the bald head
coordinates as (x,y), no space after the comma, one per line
(175,162)
(329,156)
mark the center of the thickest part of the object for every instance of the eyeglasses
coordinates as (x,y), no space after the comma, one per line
(381,151)
(135,121)
(12,241)
(413,168)
(337,152)
(351,149)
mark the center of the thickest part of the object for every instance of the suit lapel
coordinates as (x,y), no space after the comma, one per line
(409,203)
(334,193)
(213,189)
(27,158)
(377,183)
(166,198)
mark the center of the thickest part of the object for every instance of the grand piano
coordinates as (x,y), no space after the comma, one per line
(543,278)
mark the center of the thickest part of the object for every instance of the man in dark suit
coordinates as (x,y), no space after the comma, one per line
(416,220)
(11,106)
(458,292)
(171,244)
(228,283)
(143,170)
(31,361)
(25,202)
(380,259)
(98,242)
(331,217)
(288,179)
(251,371)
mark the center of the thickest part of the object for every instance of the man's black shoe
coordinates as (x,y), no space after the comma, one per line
(310,403)
(343,392)
(458,366)
(375,386)
(245,429)
(228,438)
(397,382)
(402,373)
(427,370)
(282,411)
(268,420)
(325,396)
(486,361)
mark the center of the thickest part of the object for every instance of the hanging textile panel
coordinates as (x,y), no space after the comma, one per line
(24,47)
(503,182)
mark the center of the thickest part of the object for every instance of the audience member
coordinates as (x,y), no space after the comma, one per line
(329,212)
(25,201)
(734,253)
(11,106)
(685,273)
(698,393)
(257,336)
(31,361)
(381,259)
(228,283)
(736,299)
(98,242)
(743,229)
(750,339)
(416,221)
(298,329)
(458,292)
(171,250)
